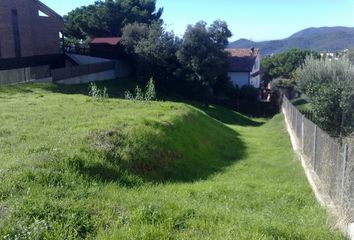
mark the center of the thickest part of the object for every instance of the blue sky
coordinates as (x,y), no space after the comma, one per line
(254,19)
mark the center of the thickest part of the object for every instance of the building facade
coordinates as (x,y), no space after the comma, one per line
(109,47)
(244,67)
(28,28)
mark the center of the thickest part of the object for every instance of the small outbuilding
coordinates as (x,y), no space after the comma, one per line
(108,47)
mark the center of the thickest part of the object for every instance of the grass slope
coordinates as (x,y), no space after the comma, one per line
(73,168)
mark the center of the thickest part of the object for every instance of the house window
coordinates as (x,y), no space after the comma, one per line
(42,14)
(16,33)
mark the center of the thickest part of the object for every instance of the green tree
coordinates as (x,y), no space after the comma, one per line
(202,57)
(107,18)
(283,65)
(152,49)
(330,86)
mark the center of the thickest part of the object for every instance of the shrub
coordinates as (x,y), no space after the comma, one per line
(249,93)
(330,86)
(284,83)
(97,93)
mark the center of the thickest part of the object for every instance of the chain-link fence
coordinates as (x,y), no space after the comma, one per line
(331,160)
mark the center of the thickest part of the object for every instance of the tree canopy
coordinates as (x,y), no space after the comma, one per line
(108,18)
(283,65)
(198,62)
(202,54)
(152,49)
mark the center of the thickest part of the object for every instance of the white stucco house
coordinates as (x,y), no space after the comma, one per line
(245,66)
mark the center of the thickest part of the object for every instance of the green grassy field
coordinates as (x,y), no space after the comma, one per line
(74,168)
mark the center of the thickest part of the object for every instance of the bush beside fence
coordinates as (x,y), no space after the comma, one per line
(330,159)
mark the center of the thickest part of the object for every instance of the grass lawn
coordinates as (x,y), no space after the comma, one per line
(302,103)
(75,168)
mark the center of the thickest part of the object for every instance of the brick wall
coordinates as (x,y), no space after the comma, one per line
(38,35)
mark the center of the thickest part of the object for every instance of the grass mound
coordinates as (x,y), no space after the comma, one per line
(74,168)
(57,146)
(180,143)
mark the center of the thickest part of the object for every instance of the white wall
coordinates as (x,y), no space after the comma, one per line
(256,81)
(244,78)
(239,78)
(257,65)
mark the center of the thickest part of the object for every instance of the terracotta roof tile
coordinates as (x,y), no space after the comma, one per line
(243,52)
(108,40)
(242,59)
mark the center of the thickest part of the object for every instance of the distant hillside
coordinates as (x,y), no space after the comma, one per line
(318,39)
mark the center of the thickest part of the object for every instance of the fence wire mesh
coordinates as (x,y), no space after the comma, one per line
(348,191)
(332,161)
(308,139)
(298,126)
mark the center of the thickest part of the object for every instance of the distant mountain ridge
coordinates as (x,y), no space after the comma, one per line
(317,39)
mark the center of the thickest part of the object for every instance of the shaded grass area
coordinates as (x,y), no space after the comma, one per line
(302,103)
(116,88)
(73,168)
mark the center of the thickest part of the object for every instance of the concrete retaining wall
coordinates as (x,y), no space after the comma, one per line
(30,74)
(94,77)
(69,75)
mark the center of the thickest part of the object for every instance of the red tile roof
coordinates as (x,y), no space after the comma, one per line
(242,59)
(108,40)
(243,52)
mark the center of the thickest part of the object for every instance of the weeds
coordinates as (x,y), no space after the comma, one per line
(140,95)
(150,92)
(97,93)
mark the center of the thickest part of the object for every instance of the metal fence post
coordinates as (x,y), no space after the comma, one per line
(291,116)
(285,103)
(344,168)
(296,124)
(314,148)
(302,133)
